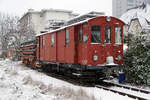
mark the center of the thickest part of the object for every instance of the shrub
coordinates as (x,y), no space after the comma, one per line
(137,60)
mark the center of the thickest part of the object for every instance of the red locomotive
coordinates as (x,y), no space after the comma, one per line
(89,48)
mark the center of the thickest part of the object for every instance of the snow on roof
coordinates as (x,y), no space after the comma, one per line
(64,27)
(57,10)
(32,11)
(85,16)
(51,31)
(142,13)
(90,13)
(77,20)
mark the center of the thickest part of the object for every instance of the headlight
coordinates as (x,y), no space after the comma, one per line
(110,60)
(95,58)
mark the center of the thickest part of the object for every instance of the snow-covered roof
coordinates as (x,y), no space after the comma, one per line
(142,13)
(32,11)
(77,20)
(57,10)
(84,16)
(51,31)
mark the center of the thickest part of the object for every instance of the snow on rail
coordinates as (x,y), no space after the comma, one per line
(129,90)
(128,87)
(124,93)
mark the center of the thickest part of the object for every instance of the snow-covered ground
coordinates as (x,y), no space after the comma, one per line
(18,82)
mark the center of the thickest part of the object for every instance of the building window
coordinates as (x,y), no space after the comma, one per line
(95,34)
(80,34)
(107,34)
(118,35)
(52,40)
(43,42)
(67,37)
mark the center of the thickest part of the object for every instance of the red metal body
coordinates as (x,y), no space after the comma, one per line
(28,53)
(103,49)
(78,52)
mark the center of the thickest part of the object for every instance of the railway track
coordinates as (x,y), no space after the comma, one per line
(135,93)
(128,87)
(107,85)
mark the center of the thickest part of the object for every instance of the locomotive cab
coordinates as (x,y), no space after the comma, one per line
(108,37)
(102,46)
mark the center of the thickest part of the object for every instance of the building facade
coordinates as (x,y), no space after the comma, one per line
(121,6)
(147,1)
(135,27)
(44,20)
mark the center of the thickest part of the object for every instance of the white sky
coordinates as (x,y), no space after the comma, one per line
(19,7)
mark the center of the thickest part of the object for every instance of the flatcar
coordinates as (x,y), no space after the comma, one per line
(92,48)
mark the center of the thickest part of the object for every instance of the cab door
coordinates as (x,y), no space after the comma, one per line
(108,40)
(79,44)
(84,49)
(38,48)
(96,51)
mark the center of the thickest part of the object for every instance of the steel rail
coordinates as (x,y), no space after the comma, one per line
(121,93)
(128,87)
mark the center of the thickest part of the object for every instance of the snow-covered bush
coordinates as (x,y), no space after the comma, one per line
(137,59)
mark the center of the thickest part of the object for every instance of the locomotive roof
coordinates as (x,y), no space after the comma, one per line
(64,27)
(71,25)
(84,17)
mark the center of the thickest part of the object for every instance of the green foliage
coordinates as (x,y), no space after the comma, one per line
(137,59)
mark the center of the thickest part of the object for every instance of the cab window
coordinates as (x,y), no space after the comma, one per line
(37,41)
(118,35)
(107,34)
(95,34)
(80,34)
(52,40)
(43,41)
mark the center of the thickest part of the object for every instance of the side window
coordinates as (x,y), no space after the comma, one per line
(95,34)
(52,40)
(67,36)
(118,35)
(80,34)
(43,41)
(37,41)
(85,39)
(107,34)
